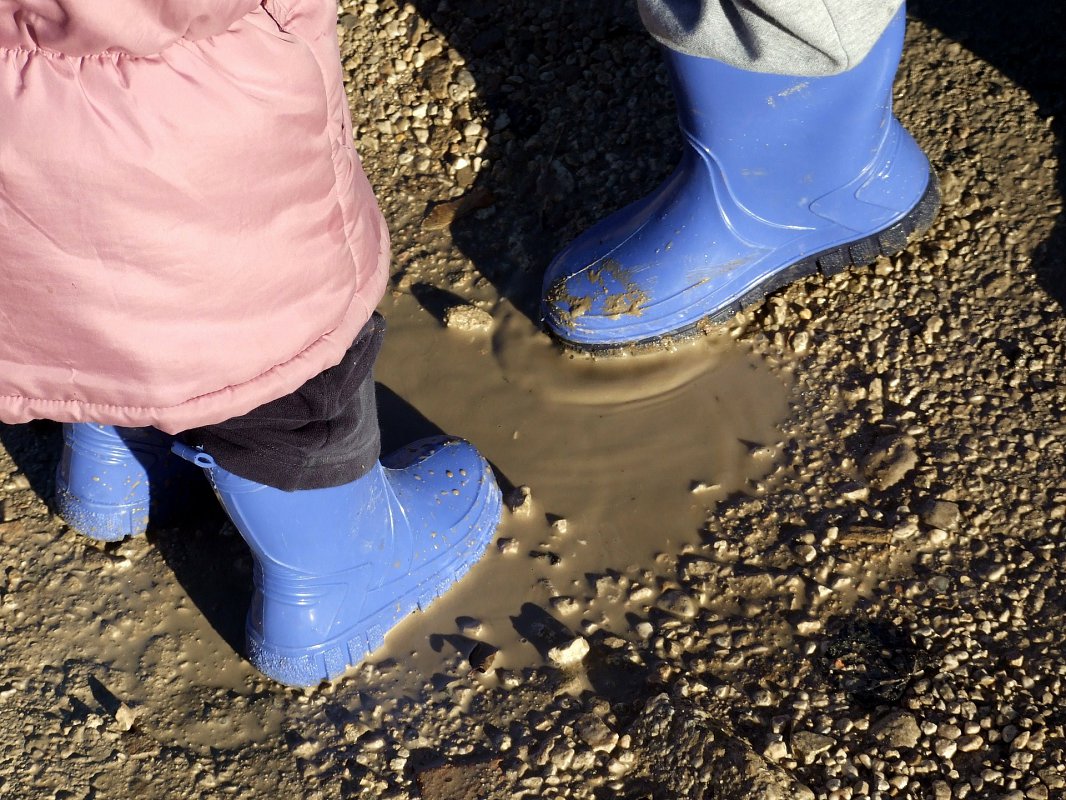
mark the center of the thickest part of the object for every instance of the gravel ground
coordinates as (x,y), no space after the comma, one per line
(881,616)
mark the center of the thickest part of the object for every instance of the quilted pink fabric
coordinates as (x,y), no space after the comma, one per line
(185,230)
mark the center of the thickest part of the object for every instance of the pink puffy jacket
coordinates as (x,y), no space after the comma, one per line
(185,230)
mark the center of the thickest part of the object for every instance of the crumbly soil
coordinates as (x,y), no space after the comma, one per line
(817,553)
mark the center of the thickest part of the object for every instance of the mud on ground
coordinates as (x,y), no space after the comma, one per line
(818,553)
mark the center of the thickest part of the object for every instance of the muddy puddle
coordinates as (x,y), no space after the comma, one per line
(624,458)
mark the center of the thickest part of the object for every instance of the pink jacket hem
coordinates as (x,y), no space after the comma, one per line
(186,232)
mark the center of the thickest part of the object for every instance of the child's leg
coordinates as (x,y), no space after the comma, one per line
(323,434)
(345,545)
(112,480)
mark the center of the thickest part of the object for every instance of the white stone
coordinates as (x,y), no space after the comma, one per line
(467,318)
(569,654)
(945,748)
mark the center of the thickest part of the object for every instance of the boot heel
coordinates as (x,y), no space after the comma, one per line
(111,480)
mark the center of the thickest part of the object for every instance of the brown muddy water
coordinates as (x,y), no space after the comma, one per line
(624,459)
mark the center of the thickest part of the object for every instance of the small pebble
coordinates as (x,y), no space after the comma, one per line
(520,501)
(569,654)
(678,603)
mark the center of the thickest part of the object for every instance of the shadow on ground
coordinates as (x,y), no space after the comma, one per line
(1025,43)
(584,125)
(35,448)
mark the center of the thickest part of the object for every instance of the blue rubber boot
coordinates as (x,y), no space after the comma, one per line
(781,177)
(110,480)
(336,568)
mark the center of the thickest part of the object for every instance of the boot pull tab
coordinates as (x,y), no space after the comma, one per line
(193,454)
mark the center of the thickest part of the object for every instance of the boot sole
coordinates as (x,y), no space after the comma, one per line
(332,659)
(101,521)
(889,241)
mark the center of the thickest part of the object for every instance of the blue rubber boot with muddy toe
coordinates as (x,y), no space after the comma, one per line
(336,568)
(780,177)
(111,480)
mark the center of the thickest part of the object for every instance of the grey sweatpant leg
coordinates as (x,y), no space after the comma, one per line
(788,37)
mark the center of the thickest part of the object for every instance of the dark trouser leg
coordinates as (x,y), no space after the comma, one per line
(323,434)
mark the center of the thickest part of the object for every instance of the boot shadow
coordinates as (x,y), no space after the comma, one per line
(213,565)
(575,134)
(35,449)
(203,563)
(400,422)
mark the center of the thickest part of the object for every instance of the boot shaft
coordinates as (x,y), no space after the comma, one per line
(780,142)
(315,532)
